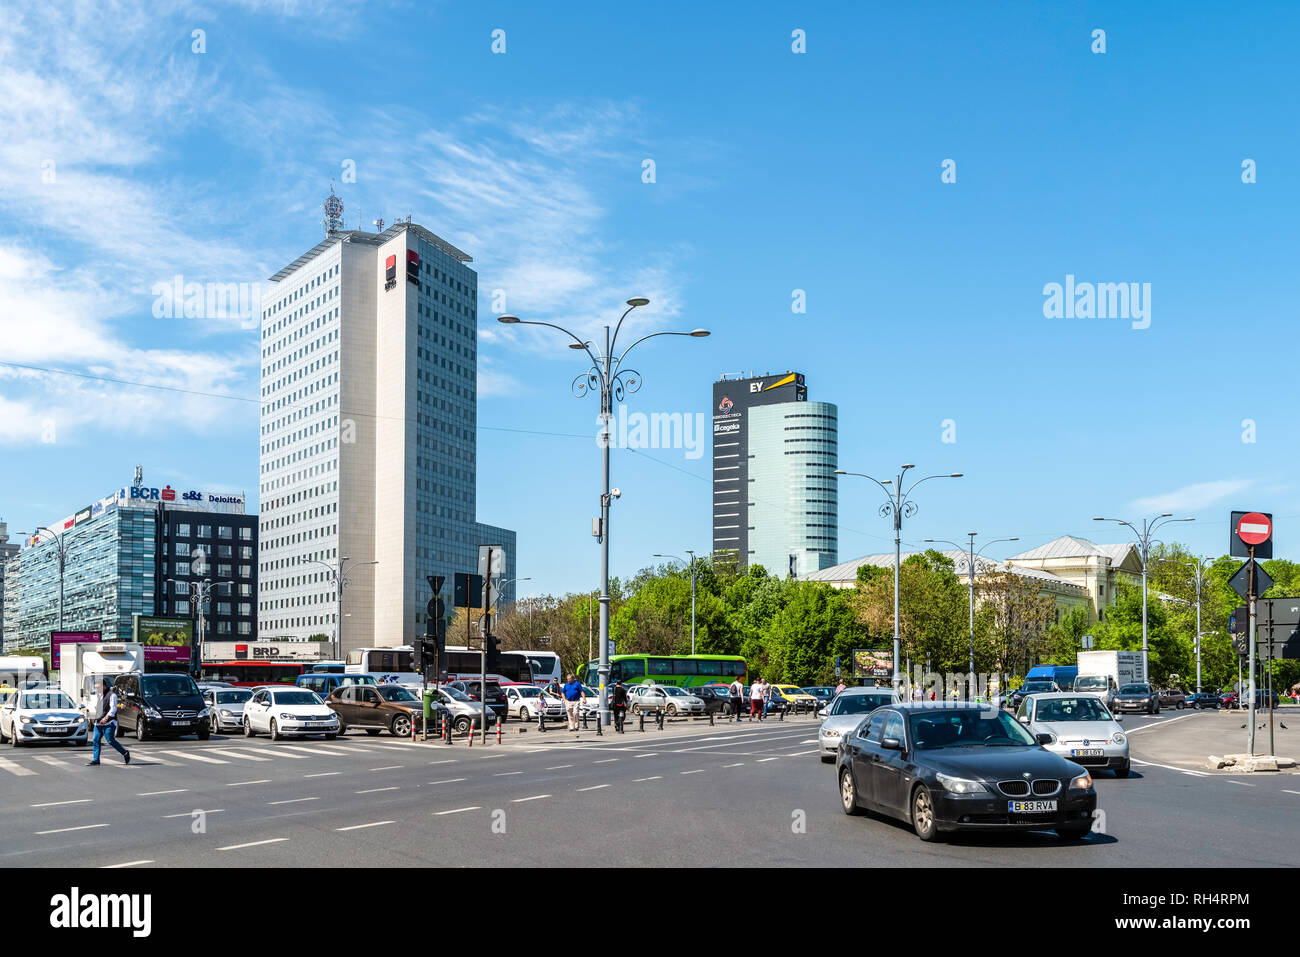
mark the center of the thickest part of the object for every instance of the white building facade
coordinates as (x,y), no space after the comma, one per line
(368,435)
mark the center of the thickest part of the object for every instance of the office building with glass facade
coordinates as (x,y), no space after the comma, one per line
(136,552)
(368,436)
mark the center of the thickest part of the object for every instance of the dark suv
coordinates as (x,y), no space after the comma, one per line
(161,705)
(496,696)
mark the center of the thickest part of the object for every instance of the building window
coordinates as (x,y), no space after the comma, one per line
(245,628)
(223,608)
(183,530)
(223,571)
(224,551)
(245,551)
(181,608)
(223,628)
(205,531)
(181,568)
(182,549)
(245,608)
(245,571)
(224,531)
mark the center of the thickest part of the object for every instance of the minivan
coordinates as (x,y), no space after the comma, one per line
(157,705)
(325,683)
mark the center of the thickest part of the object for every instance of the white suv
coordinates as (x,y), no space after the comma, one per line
(288,711)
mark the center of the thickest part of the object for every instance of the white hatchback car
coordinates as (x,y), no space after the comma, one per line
(45,714)
(288,711)
(524,701)
(1082,729)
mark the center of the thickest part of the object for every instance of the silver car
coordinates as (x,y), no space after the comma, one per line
(1082,729)
(670,699)
(845,713)
(226,707)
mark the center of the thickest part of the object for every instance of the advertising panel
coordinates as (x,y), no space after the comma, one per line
(164,639)
(871,663)
(60,638)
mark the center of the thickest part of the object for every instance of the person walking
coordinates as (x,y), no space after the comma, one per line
(106,725)
(756,699)
(737,691)
(618,701)
(573,698)
(839,688)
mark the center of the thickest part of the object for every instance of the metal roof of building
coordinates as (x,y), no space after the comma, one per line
(1069,546)
(848,571)
(372,239)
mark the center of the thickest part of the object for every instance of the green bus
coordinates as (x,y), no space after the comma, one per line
(686,671)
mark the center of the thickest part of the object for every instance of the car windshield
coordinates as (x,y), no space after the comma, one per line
(1071,709)
(1135,689)
(47,699)
(858,703)
(234,696)
(1033,687)
(455,694)
(947,728)
(391,692)
(675,691)
(296,697)
(528,691)
(168,684)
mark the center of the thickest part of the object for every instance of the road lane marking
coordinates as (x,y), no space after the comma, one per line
(1242,783)
(194,757)
(761,760)
(322,774)
(502,774)
(277,752)
(604,761)
(457,810)
(447,781)
(653,778)
(236,847)
(215,810)
(236,754)
(64,830)
(696,771)
(55,762)
(648,754)
(109,867)
(1284,791)
(335,749)
(320,750)
(559,767)
(237,784)
(809,741)
(1167,767)
(61,803)
(358,827)
(389,767)
(595,787)
(145,794)
(14,768)
(445,761)
(736,765)
(377,790)
(535,797)
(290,801)
(1164,723)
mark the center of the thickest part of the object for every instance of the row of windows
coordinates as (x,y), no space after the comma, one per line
(183,550)
(294,297)
(223,531)
(223,571)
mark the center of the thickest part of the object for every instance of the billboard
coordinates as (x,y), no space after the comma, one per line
(60,638)
(873,663)
(164,639)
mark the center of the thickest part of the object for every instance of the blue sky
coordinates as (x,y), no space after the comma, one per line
(129,159)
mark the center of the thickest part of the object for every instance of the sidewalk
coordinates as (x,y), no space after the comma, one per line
(1187,741)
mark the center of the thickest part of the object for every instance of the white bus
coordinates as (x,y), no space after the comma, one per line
(545,666)
(17,670)
(388,664)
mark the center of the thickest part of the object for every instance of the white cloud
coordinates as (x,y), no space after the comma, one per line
(1192,498)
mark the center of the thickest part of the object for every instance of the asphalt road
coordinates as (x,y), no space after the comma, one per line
(748,794)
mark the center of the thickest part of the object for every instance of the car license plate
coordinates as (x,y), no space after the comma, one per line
(319,724)
(1031,807)
(179,723)
(1086,753)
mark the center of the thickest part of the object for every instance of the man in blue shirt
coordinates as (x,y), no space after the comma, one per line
(573,697)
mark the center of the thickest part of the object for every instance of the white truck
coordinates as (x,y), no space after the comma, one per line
(85,665)
(1103,673)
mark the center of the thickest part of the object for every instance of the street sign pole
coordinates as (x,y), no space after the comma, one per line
(1250,598)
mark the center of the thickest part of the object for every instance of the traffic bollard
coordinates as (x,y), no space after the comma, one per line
(661,720)
(413,727)
(471,734)
(710,719)
(781,715)
(498,730)
(584,720)
(599,733)
(641,715)
(541,721)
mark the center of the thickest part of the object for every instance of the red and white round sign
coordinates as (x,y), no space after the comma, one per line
(1254,528)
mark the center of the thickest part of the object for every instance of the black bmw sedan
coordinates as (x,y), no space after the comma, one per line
(944,767)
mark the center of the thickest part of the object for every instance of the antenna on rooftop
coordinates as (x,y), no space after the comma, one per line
(379,225)
(333,207)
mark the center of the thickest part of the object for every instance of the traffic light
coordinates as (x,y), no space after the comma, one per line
(492,646)
(436,609)
(417,655)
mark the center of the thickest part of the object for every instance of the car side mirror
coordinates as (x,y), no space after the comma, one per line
(891,744)
(1044,738)
(1023,719)
(1117,718)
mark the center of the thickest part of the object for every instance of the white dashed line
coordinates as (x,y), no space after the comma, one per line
(447,761)
(696,771)
(215,810)
(376,790)
(1285,791)
(761,760)
(447,781)
(236,754)
(61,803)
(145,794)
(596,787)
(559,767)
(655,777)
(358,827)
(240,784)
(1242,783)
(535,797)
(736,765)
(604,761)
(502,774)
(457,810)
(291,801)
(236,847)
(110,867)
(64,830)
(322,774)
(389,767)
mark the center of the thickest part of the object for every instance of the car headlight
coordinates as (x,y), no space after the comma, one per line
(288,717)
(1082,782)
(25,719)
(960,785)
(151,712)
(1118,737)
(225,713)
(204,712)
(81,719)
(830,733)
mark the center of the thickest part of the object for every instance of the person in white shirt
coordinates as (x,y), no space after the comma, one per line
(756,699)
(737,691)
(106,725)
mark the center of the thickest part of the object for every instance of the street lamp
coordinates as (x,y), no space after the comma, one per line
(690,552)
(203,593)
(970,563)
(501,587)
(341,577)
(61,549)
(1198,579)
(898,504)
(613,381)
(1144,550)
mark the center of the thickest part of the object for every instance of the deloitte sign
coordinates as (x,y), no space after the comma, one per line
(139,496)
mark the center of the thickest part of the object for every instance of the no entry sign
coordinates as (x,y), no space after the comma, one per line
(1252,529)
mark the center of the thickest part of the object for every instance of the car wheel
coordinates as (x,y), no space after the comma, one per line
(726,710)
(401,726)
(13,739)
(672,710)
(1077,833)
(1180,706)
(463,724)
(848,793)
(1122,772)
(204,734)
(248,729)
(523,714)
(2,734)
(275,731)
(343,728)
(923,821)
(635,709)
(141,729)
(331,736)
